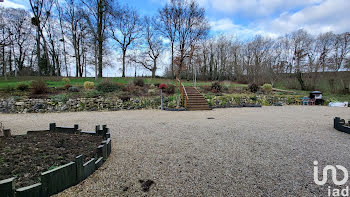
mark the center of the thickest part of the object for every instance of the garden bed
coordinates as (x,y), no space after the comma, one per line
(46,162)
(27,156)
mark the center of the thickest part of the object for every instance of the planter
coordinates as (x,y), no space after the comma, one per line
(64,176)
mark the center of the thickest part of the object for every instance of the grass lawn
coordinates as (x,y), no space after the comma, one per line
(12,82)
(57,81)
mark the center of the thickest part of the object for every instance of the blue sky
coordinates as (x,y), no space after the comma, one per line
(246,18)
(268,17)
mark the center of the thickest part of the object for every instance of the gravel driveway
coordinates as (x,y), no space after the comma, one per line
(265,151)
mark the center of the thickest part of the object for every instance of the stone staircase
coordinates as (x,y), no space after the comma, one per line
(196,100)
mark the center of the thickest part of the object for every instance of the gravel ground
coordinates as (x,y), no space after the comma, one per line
(265,151)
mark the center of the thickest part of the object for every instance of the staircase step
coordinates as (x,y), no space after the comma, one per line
(196,101)
(193,109)
(199,101)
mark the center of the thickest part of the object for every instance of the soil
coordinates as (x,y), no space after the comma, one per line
(145,185)
(27,156)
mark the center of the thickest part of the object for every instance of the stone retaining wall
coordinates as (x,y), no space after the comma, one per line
(65,176)
(79,104)
(22,105)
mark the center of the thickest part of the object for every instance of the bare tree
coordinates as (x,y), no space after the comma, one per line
(192,27)
(97,14)
(341,49)
(41,10)
(169,26)
(324,44)
(300,44)
(154,45)
(63,40)
(125,29)
(78,29)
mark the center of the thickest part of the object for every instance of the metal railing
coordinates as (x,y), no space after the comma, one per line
(184,96)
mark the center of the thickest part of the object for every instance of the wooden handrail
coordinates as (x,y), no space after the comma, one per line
(183,91)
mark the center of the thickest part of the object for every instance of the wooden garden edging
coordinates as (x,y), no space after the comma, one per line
(339,124)
(65,176)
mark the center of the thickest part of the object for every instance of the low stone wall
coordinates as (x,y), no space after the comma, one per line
(12,105)
(339,124)
(79,104)
(227,101)
(65,176)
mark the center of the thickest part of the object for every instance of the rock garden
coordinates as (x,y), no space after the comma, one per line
(65,95)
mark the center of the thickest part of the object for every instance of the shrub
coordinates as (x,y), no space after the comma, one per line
(92,94)
(39,87)
(60,98)
(170,89)
(66,80)
(139,82)
(129,88)
(107,86)
(162,86)
(120,85)
(267,88)
(67,86)
(151,92)
(73,89)
(216,86)
(9,89)
(124,97)
(253,87)
(88,85)
(207,88)
(22,86)
(152,86)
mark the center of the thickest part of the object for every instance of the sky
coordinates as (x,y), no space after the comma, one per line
(246,18)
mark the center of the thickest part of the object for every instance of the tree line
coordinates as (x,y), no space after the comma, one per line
(65,37)
(53,34)
(263,59)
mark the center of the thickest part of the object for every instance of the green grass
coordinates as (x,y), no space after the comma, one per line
(12,82)
(326,95)
(57,81)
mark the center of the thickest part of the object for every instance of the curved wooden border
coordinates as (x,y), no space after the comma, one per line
(65,176)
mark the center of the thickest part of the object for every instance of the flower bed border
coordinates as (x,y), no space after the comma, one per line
(65,176)
(339,124)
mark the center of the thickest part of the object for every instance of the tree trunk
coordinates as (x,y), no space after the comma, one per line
(38,48)
(10,61)
(100,36)
(96,65)
(172,59)
(124,53)
(154,69)
(3,62)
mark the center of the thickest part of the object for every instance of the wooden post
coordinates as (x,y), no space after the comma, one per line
(52,126)
(161,99)
(7,133)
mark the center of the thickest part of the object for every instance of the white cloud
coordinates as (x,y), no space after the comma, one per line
(331,15)
(224,24)
(256,8)
(227,26)
(10,4)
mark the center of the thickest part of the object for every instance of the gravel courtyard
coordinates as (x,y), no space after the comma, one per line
(266,151)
